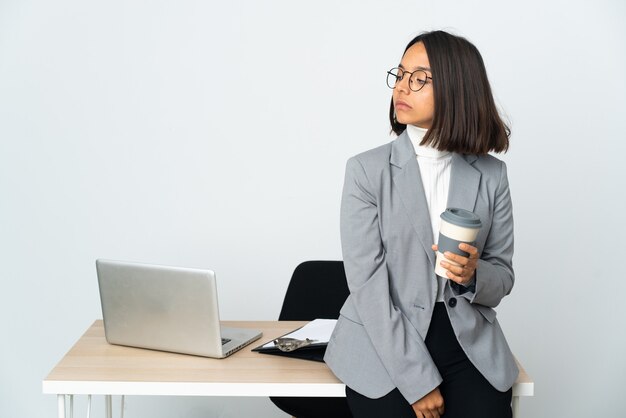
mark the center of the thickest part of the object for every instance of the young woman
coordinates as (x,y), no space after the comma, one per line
(409,343)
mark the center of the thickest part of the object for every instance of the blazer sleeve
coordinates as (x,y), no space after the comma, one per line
(494,271)
(398,344)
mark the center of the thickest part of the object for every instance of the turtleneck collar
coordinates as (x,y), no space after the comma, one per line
(416,134)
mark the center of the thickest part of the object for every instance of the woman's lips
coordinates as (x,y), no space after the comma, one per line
(400,105)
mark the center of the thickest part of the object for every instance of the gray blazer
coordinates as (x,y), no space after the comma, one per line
(378,343)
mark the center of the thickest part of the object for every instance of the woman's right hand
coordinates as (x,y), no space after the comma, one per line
(430,406)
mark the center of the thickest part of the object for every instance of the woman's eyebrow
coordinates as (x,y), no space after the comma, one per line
(416,68)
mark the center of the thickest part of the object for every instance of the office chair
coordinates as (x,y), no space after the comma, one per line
(317,289)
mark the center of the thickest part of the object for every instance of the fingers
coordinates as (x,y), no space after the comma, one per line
(456,258)
(461,269)
(435,247)
(457,270)
(424,412)
(462,278)
(429,410)
(420,413)
(429,405)
(471,250)
(454,277)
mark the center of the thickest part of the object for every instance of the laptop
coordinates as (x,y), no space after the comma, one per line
(165,308)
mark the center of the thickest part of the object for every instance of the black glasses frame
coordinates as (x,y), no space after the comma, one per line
(396,79)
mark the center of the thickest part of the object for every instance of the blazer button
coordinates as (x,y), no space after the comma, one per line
(452,302)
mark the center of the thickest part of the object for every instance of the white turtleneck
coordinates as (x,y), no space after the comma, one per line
(435,171)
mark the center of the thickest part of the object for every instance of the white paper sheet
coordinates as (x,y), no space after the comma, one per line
(318,330)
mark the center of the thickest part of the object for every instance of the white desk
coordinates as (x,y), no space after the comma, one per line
(94,367)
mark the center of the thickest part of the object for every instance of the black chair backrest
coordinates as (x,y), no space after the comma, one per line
(317,289)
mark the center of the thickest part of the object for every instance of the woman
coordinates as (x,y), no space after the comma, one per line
(409,343)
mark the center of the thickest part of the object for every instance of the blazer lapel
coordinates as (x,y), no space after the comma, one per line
(407,179)
(462,192)
(464,182)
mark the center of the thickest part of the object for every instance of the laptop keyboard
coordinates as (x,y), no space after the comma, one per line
(225,341)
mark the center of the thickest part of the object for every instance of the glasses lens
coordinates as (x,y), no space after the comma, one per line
(393,77)
(418,80)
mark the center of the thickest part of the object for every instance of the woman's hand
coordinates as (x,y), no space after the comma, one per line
(430,406)
(462,274)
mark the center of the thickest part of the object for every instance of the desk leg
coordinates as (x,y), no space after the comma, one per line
(108,406)
(515,406)
(61,406)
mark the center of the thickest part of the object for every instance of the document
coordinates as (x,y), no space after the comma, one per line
(318,330)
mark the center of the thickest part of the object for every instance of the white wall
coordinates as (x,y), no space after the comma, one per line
(214,134)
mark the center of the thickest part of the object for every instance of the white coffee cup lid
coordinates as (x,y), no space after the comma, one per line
(461,217)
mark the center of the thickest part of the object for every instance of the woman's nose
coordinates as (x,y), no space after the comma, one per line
(403,85)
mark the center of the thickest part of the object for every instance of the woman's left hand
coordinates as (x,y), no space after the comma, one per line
(463,273)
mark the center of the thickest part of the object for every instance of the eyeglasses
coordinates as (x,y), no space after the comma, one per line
(417,79)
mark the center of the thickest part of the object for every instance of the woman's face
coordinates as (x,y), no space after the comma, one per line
(414,108)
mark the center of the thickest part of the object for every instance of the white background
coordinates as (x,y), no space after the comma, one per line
(215,134)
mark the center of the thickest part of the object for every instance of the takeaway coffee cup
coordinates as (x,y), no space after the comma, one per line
(457,226)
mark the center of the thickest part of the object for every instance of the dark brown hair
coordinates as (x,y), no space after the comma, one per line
(465,117)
